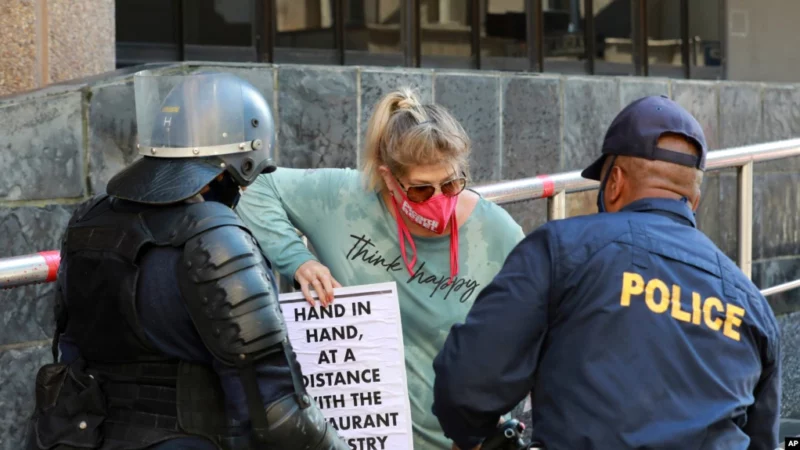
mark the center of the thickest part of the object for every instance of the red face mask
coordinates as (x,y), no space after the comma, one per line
(433,214)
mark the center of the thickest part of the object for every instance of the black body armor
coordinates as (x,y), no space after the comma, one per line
(125,394)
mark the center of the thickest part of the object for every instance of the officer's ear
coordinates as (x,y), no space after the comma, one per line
(696,202)
(615,185)
(698,189)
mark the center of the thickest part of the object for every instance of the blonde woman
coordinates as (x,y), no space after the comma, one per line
(406,216)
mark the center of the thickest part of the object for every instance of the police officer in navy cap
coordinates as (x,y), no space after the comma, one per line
(169,334)
(629,329)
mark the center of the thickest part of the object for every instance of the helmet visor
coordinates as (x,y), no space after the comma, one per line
(189,116)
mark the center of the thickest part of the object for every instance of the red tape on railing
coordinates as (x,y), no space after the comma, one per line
(548,185)
(53,260)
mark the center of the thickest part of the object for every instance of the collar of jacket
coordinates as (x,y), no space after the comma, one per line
(679,210)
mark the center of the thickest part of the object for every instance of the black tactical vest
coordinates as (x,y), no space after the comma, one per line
(150,397)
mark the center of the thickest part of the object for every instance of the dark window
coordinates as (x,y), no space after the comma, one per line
(564,36)
(445,34)
(219,30)
(147,31)
(705,51)
(305,31)
(146,21)
(614,44)
(504,41)
(373,33)
(664,38)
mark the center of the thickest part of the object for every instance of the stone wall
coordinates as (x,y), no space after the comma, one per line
(41,44)
(60,145)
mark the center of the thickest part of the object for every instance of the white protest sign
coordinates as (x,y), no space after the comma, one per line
(353,362)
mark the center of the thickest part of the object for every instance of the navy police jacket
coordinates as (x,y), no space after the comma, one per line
(629,330)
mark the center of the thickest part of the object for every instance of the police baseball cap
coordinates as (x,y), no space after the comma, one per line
(636,130)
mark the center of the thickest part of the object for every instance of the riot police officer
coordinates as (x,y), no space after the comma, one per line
(629,329)
(168,326)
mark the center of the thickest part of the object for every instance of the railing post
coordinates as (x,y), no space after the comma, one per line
(557,206)
(745,197)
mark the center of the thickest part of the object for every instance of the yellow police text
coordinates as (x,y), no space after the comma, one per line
(659,298)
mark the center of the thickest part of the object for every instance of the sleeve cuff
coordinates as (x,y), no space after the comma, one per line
(457,431)
(468,442)
(302,259)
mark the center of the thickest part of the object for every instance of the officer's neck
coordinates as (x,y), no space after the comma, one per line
(644,194)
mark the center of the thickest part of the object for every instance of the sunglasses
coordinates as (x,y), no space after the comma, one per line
(419,193)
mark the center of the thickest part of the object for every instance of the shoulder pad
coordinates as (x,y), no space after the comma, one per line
(230,295)
(175,226)
(84,208)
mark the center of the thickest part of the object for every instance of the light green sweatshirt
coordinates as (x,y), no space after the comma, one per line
(355,236)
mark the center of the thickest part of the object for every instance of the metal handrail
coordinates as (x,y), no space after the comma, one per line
(780,288)
(556,187)
(544,186)
(41,267)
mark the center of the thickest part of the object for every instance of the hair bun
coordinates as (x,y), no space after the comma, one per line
(395,139)
(407,103)
(407,99)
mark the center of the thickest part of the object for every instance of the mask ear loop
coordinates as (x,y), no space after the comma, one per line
(402,232)
(453,248)
(601,206)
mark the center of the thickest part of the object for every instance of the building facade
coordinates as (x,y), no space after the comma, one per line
(602,37)
(701,39)
(738,40)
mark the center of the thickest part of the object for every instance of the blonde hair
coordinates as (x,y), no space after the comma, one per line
(404,133)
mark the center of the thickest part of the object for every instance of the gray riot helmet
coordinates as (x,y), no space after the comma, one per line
(192,128)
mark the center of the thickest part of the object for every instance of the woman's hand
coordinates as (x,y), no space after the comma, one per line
(312,273)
